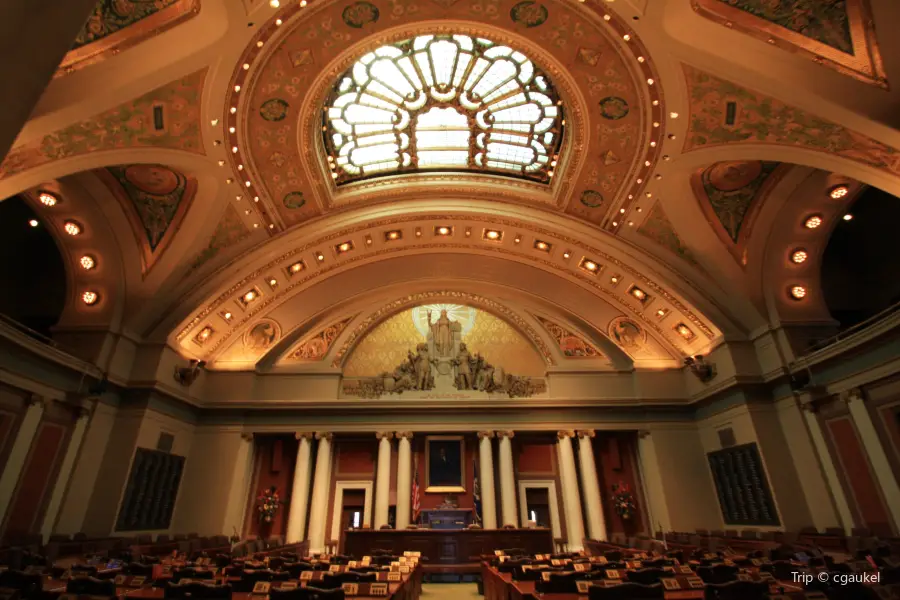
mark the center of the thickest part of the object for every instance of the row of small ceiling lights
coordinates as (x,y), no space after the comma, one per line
(487,235)
(87,261)
(800,255)
(643,174)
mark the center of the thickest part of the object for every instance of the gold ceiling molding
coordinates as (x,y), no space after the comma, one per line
(131,31)
(308,38)
(392,222)
(400,304)
(571,345)
(860,57)
(316,346)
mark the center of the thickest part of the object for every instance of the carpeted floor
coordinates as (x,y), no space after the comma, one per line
(450,591)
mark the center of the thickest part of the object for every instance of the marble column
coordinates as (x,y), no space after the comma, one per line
(239,492)
(300,490)
(825,461)
(404,478)
(486,480)
(593,501)
(571,499)
(15,462)
(47,28)
(507,480)
(318,510)
(65,471)
(884,475)
(383,478)
(652,483)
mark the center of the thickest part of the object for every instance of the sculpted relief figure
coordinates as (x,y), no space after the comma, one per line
(441,333)
(422,367)
(463,369)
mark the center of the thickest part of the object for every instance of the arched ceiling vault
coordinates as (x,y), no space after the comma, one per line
(618,173)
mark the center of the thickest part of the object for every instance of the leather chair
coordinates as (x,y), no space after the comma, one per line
(717,573)
(197,590)
(138,569)
(737,590)
(250,578)
(191,573)
(307,593)
(626,591)
(90,586)
(647,576)
(563,583)
(84,569)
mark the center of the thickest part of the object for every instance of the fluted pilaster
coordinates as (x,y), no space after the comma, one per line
(318,511)
(571,499)
(486,480)
(507,479)
(300,489)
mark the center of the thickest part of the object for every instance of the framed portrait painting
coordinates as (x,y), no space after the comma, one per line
(445,468)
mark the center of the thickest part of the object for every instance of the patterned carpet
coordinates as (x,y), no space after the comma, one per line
(449,591)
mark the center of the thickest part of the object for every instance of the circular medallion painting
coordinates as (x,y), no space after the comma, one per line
(294,200)
(155,180)
(275,109)
(732,176)
(262,335)
(359,14)
(614,108)
(529,14)
(627,334)
(591,199)
(465,315)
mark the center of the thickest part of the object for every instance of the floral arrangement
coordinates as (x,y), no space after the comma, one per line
(623,501)
(269,501)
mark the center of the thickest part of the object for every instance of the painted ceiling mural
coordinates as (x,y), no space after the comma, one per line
(836,33)
(167,117)
(157,198)
(723,112)
(269,133)
(117,24)
(386,346)
(729,190)
(316,346)
(229,232)
(658,228)
(570,344)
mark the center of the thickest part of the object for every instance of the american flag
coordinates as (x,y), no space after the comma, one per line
(476,492)
(416,494)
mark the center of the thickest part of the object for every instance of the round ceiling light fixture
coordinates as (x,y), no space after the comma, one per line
(798,292)
(813,221)
(87,262)
(90,297)
(838,192)
(72,227)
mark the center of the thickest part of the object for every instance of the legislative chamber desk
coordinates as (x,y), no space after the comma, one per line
(447,550)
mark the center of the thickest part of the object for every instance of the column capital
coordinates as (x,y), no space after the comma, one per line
(304,435)
(848,396)
(812,397)
(404,435)
(247,436)
(324,435)
(35,400)
(384,435)
(586,433)
(509,434)
(485,435)
(82,412)
(568,433)
(643,434)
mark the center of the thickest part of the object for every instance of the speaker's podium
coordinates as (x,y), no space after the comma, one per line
(447,518)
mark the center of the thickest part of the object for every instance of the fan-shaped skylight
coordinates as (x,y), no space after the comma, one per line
(443,102)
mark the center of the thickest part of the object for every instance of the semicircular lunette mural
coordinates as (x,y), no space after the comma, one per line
(315,347)
(155,199)
(571,345)
(731,195)
(119,24)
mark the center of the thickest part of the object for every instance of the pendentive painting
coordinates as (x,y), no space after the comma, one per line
(445,472)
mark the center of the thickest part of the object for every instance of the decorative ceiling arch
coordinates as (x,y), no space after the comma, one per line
(116,25)
(613,88)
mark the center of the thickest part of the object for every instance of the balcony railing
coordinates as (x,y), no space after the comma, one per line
(870,328)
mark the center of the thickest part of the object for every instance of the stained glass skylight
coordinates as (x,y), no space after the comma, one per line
(443,103)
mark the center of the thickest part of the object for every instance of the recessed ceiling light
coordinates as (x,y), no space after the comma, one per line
(661,312)
(250,296)
(839,192)
(798,292)
(848,217)
(72,228)
(813,221)
(87,262)
(274,3)
(589,265)
(614,279)
(638,293)
(684,331)
(565,255)
(33,222)
(273,282)
(296,267)
(48,199)
(227,315)
(90,297)
(443,230)
(391,236)
(493,235)
(542,246)
(344,247)
(799,256)
(320,257)
(204,334)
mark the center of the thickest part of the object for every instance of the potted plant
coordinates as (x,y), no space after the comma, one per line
(267,506)
(623,501)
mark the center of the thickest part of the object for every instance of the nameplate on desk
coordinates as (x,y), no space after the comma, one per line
(350,589)
(744,577)
(404,569)
(684,569)
(402,560)
(766,576)
(582,567)
(288,585)
(696,583)
(583,587)
(556,562)
(119,580)
(498,552)
(262,587)
(334,569)
(502,559)
(602,560)
(352,564)
(755,562)
(415,554)
(670,583)
(138,581)
(306,575)
(613,574)
(394,577)
(378,589)
(395,563)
